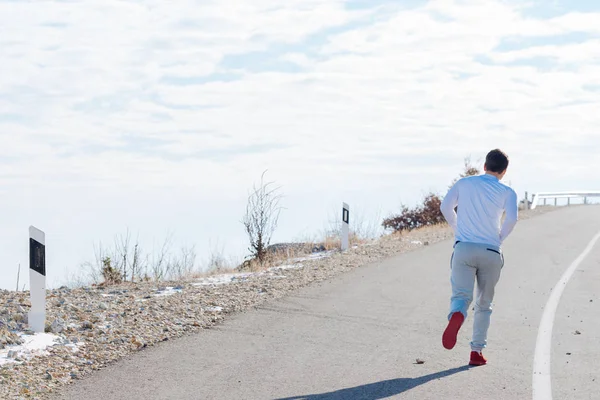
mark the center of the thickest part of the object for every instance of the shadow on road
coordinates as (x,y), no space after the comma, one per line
(380,390)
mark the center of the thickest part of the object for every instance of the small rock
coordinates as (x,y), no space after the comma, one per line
(568,354)
(19,318)
(8,338)
(419,361)
(577,333)
(137,343)
(57,326)
(87,325)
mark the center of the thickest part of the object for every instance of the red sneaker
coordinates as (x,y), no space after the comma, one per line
(449,337)
(477,359)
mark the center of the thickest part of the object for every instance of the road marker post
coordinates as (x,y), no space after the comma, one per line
(37,279)
(345,227)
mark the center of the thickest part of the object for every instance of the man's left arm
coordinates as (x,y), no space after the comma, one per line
(512,215)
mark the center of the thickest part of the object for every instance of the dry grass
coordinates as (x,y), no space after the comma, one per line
(437,228)
(272,259)
(335,243)
(207,274)
(297,249)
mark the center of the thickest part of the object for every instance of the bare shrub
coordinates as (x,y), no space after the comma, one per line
(127,256)
(216,259)
(159,265)
(110,274)
(93,268)
(184,265)
(262,216)
(127,262)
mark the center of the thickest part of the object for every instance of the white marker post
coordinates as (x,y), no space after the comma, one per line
(37,279)
(345,227)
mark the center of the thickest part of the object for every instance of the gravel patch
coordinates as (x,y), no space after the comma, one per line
(89,328)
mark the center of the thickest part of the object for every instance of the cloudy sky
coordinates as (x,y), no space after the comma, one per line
(159,116)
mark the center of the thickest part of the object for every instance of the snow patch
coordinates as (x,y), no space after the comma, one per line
(315,256)
(33,345)
(284,267)
(224,279)
(168,291)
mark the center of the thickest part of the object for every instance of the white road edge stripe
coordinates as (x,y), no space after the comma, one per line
(542,380)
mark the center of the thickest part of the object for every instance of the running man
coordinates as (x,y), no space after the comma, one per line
(481,201)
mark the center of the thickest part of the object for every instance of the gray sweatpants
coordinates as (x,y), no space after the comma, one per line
(483,263)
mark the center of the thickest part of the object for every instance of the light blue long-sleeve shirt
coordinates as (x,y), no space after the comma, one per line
(481,201)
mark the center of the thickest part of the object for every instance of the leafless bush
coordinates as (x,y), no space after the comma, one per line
(216,260)
(125,261)
(110,274)
(184,265)
(127,257)
(76,279)
(261,218)
(93,268)
(124,258)
(159,264)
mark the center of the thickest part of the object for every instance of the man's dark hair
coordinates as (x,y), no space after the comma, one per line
(496,161)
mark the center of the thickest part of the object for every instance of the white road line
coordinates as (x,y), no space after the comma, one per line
(542,380)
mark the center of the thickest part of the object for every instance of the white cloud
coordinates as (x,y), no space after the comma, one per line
(573,53)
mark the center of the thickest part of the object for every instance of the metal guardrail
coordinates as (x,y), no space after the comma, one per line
(562,195)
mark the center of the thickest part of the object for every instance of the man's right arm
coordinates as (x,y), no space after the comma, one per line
(448,205)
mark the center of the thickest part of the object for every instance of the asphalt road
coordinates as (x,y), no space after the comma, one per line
(358,336)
